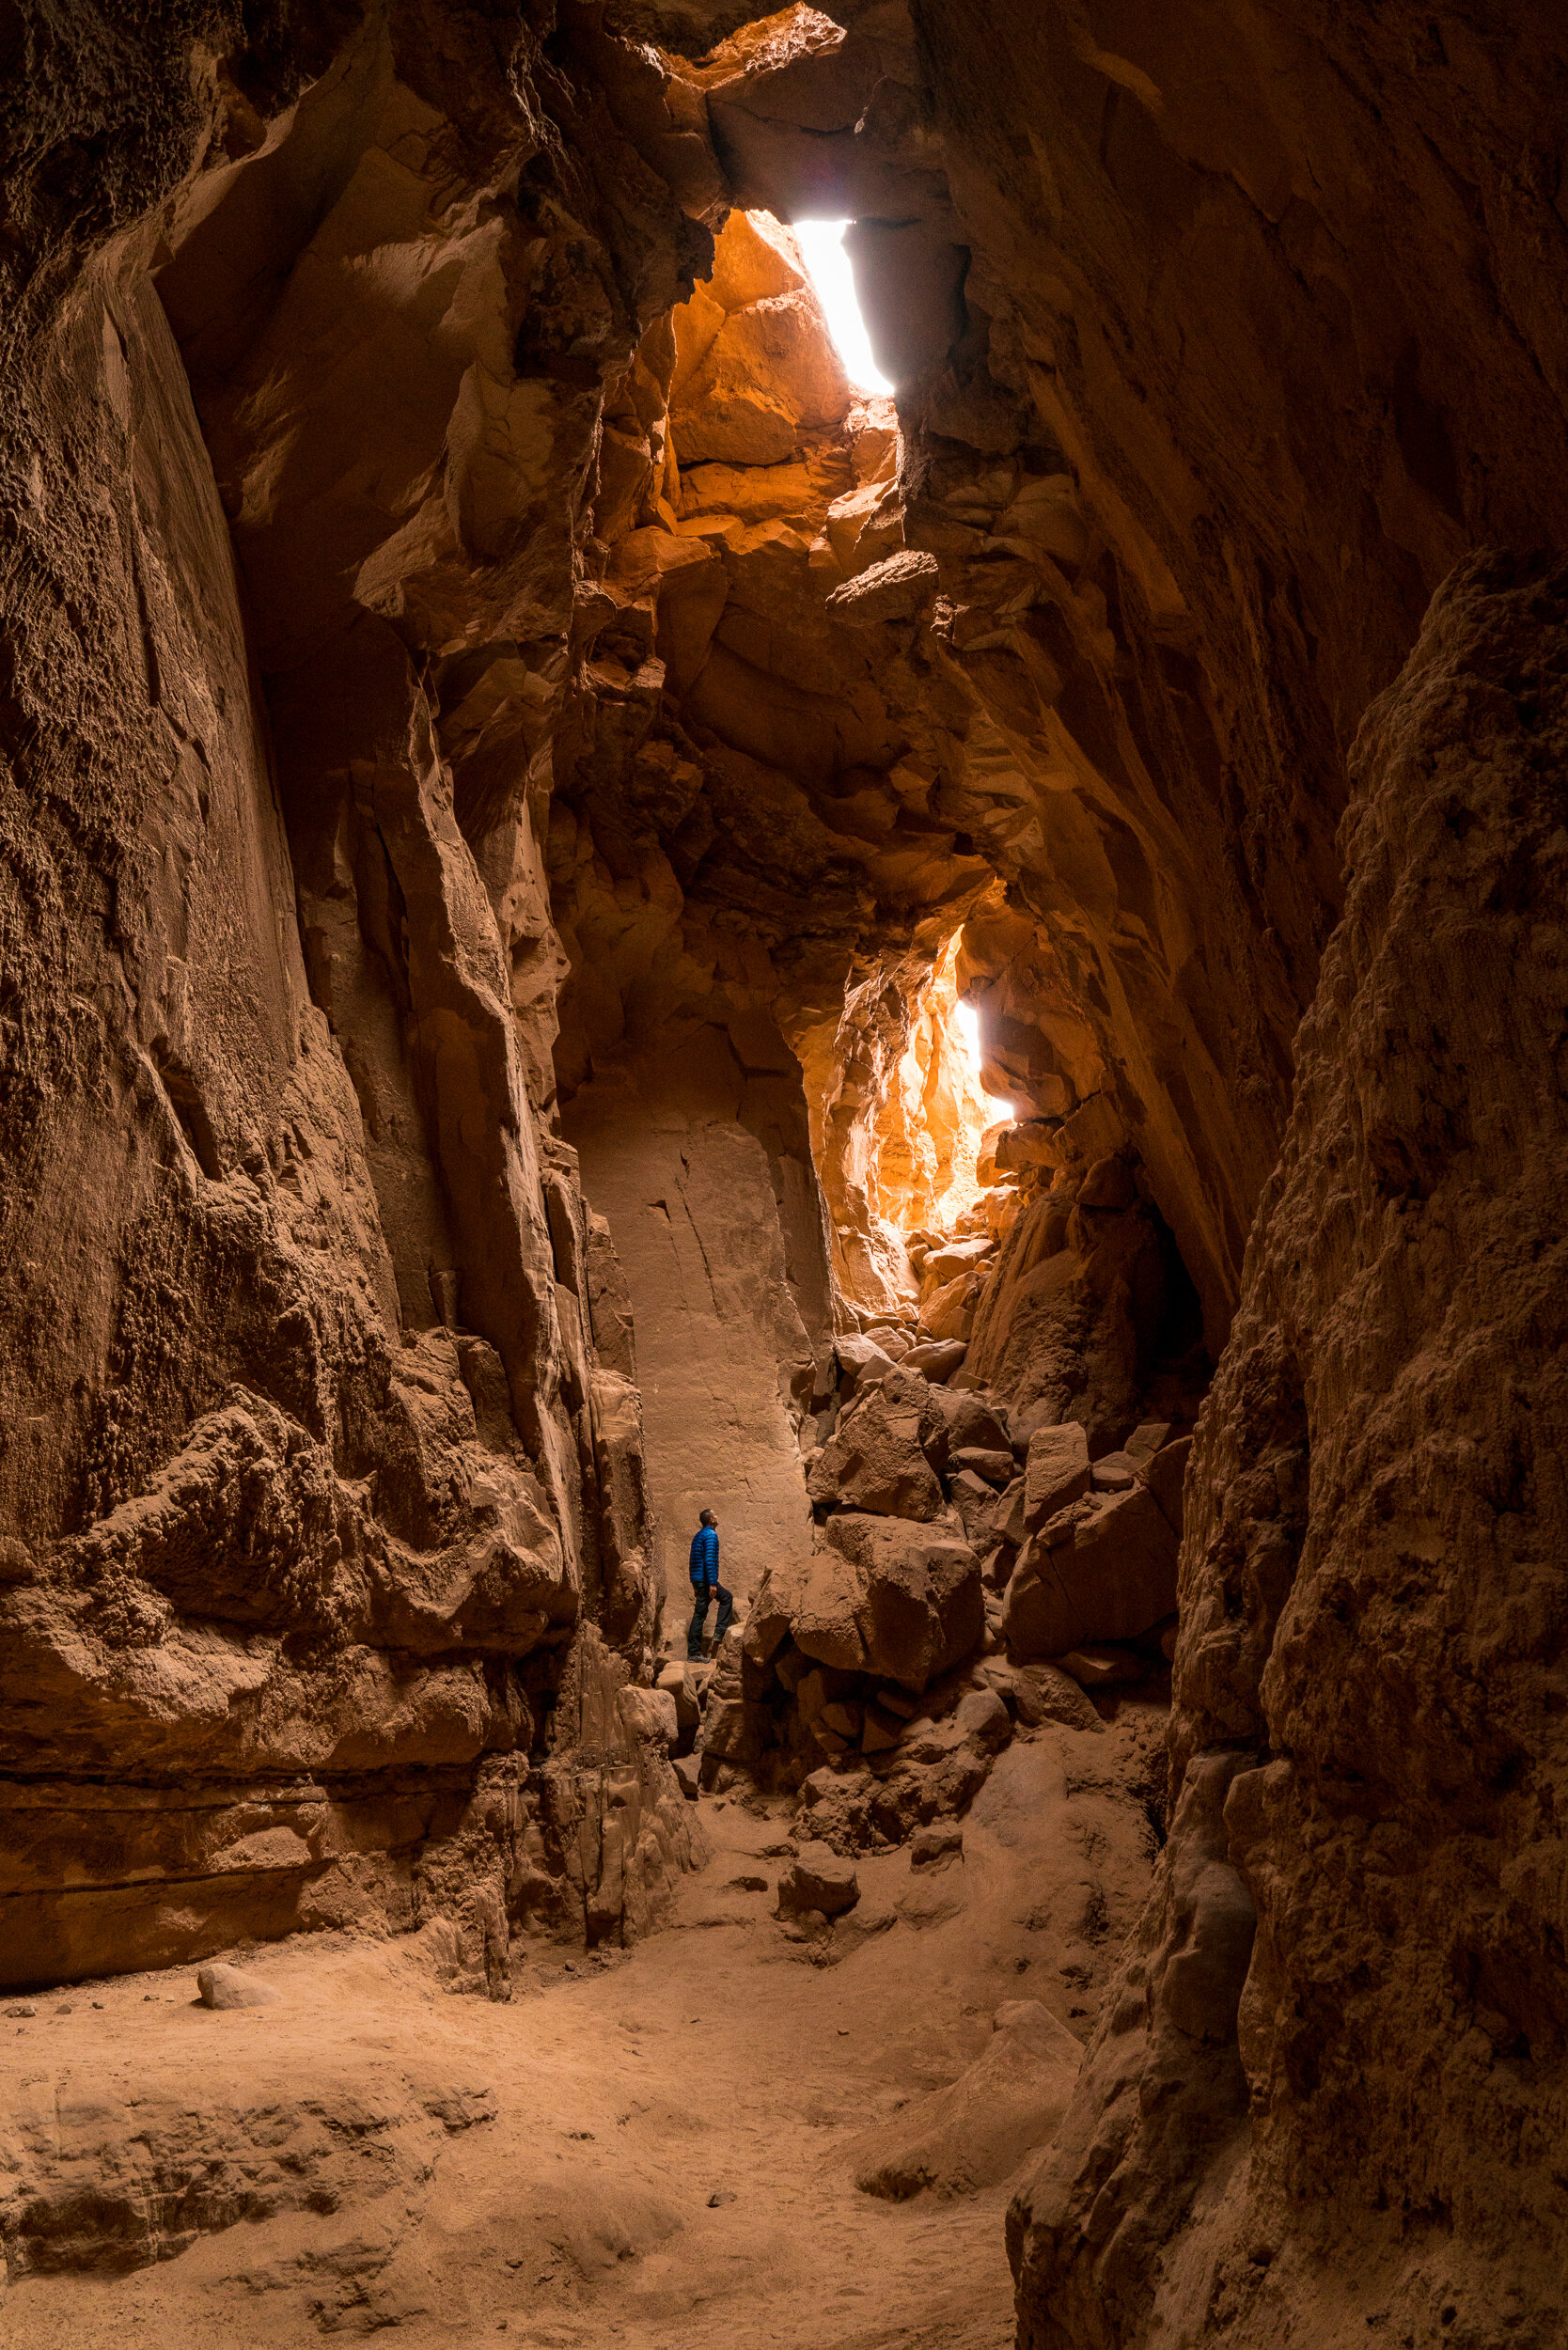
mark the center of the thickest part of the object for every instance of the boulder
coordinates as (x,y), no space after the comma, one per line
(688,1775)
(1101,1667)
(937,1359)
(1055,1473)
(882,1731)
(947,1315)
(1033,1142)
(890,1597)
(1165,1475)
(970,1422)
(861,1363)
(982,1718)
(976,1504)
(1110,1576)
(992,1468)
(931,1845)
(819,1879)
(1064,1524)
(1114,1473)
(1148,1438)
(230,1986)
(1044,1693)
(1008,1518)
(876,1457)
(955,1257)
(897,588)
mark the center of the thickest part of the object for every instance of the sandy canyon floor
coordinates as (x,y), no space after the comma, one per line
(648,2148)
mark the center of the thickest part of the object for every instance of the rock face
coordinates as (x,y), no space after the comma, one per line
(326,1512)
(1351,1950)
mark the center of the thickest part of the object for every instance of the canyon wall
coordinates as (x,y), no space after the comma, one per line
(328,1547)
(1334,2064)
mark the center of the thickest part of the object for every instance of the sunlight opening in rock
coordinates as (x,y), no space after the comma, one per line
(822,248)
(967,1023)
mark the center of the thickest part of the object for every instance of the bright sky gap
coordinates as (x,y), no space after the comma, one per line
(969,1028)
(821,246)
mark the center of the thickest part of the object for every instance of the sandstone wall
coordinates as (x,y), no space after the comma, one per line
(724,1363)
(1349,2104)
(330,1544)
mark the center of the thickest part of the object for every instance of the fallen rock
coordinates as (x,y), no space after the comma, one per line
(976,1504)
(931,1845)
(650,1714)
(937,1359)
(972,1421)
(1114,1473)
(1044,1693)
(688,1775)
(882,1731)
(996,1468)
(1057,1471)
(679,1679)
(1109,1576)
(944,1264)
(876,1458)
(897,589)
(1165,1475)
(818,1878)
(1007,1516)
(225,1986)
(916,1605)
(861,1362)
(1102,1667)
(982,1718)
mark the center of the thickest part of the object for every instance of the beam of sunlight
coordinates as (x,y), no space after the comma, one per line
(822,248)
(969,1028)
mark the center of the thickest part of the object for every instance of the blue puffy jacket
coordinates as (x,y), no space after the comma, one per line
(705,1555)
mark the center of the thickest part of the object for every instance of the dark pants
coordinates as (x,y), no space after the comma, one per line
(702,1593)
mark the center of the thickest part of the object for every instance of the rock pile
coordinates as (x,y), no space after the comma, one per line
(974,1563)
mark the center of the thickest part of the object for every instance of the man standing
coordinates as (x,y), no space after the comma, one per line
(705,1583)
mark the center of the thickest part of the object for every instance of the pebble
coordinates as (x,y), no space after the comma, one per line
(21,2011)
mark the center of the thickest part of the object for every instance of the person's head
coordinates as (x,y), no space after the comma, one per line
(707,1518)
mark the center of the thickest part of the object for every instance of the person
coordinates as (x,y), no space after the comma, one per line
(705,1583)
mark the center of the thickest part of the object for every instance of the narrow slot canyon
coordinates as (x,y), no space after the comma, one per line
(805,774)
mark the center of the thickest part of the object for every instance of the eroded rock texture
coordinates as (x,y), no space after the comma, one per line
(1368,1738)
(331,1522)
